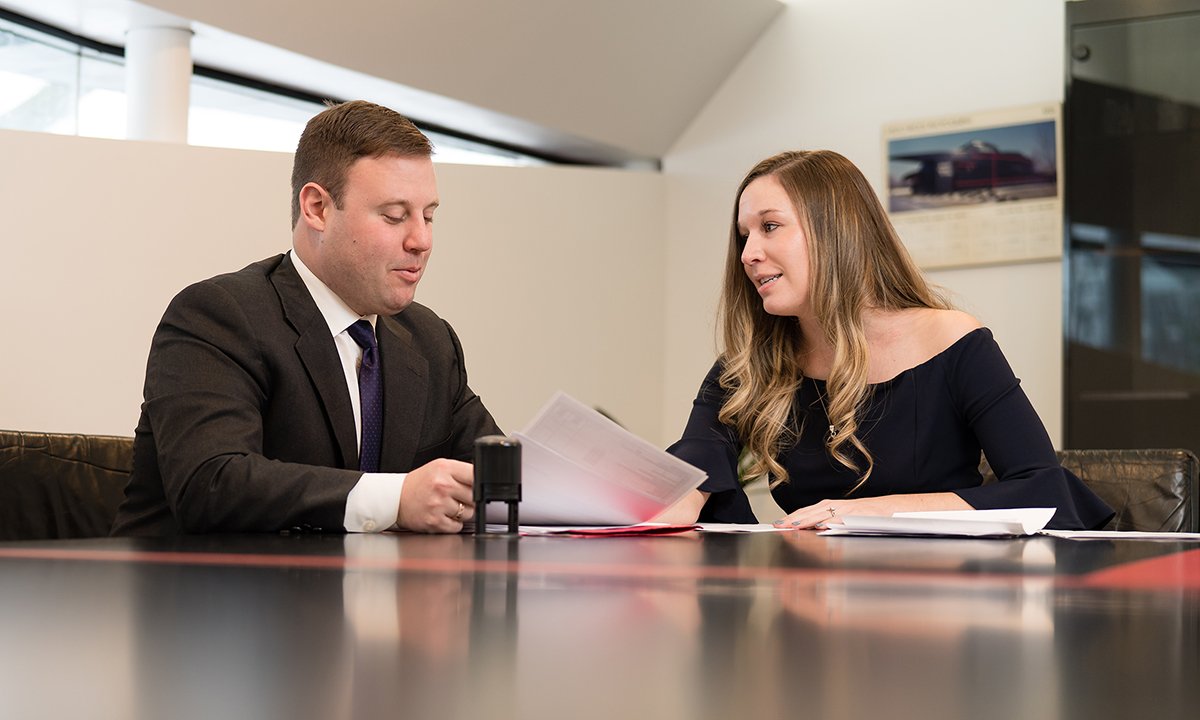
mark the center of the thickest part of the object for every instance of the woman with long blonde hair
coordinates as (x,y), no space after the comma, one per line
(848,381)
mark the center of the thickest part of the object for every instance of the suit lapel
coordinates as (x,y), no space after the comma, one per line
(405,391)
(319,357)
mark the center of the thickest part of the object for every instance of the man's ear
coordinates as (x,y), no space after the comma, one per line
(315,203)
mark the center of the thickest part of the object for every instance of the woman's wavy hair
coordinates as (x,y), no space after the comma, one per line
(856,262)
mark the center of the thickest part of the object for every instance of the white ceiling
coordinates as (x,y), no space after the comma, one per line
(604,80)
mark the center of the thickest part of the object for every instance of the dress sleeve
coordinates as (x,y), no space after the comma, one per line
(713,447)
(996,409)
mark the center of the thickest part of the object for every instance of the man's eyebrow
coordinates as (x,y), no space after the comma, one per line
(408,203)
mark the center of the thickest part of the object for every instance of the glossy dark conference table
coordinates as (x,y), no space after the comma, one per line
(685,626)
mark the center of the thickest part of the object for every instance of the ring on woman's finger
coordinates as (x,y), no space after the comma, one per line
(458,515)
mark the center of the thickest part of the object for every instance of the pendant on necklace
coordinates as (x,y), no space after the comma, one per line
(820,399)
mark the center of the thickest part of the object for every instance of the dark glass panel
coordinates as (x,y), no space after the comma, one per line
(1133,212)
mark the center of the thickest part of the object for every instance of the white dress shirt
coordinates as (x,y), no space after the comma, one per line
(373,504)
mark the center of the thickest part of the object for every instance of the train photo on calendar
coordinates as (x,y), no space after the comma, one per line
(982,165)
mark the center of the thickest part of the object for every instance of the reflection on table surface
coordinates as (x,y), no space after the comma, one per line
(712,626)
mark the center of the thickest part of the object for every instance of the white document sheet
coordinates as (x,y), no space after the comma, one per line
(739,528)
(1123,535)
(960,523)
(580,468)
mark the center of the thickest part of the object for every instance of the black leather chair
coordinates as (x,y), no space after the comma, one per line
(61,486)
(1150,490)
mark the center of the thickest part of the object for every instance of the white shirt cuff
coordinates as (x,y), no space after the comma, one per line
(374,503)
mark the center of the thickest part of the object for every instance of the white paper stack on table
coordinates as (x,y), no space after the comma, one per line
(580,468)
(968,523)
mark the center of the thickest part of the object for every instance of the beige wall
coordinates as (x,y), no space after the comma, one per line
(830,74)
(552,278)
(550,275)
(97,237)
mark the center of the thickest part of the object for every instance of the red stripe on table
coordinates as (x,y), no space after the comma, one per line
(1178,570)
(521,567)
(1175,571)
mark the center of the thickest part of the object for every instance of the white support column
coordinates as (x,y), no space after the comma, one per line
(158,75)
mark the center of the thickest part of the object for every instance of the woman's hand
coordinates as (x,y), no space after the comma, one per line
(685,511)
(831,512)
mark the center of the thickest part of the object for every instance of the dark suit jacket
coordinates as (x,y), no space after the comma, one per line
(247,423)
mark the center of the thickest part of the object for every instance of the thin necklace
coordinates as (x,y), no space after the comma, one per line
(821,399)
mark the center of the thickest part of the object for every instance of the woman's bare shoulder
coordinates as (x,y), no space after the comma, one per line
(915,336)
(943,328)
(931,328)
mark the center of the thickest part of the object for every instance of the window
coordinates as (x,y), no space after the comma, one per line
(51,85)
(223,114)
(58,83)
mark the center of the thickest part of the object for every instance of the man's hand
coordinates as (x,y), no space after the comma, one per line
(437,497)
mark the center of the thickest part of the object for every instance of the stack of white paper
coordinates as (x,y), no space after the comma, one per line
(580,468)
(971,523)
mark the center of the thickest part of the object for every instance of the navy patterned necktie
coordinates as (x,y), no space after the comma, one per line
(370,396)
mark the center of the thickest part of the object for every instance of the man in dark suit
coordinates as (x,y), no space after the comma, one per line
(251,419)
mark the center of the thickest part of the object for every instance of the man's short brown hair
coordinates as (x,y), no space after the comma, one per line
(334,138)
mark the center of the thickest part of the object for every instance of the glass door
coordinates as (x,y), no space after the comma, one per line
(1132,134)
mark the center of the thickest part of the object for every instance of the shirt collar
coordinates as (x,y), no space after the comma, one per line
(336,312)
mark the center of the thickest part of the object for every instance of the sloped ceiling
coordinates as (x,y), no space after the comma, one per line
(616,80)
